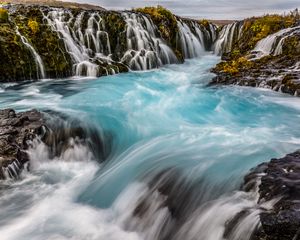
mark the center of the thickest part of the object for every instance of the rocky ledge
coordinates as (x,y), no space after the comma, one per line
(281,73)
(280,183)
(16,130)
(262,52)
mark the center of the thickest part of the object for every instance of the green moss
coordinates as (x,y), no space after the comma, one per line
(291,46)
(166,23)
(234,67)
(255,29)
(33,25)
(3,15)
(115,26)
(163,19)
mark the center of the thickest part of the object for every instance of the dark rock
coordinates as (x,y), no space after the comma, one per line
(280,181)
(16,129)
(280,73)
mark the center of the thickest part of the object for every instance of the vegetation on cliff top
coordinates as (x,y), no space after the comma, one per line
(255,29)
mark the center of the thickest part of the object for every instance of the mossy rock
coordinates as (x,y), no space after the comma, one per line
(4,15)
(291,45)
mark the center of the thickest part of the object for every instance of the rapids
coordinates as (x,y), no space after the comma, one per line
(178,154)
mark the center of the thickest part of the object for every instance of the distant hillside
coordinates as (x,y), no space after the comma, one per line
(221,22)
(56,4)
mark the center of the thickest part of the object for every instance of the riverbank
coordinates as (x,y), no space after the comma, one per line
(261,52)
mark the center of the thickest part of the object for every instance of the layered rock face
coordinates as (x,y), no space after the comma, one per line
(16,131)
(47,42)
(261,52)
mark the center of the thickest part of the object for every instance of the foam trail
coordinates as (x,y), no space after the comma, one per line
(145,155)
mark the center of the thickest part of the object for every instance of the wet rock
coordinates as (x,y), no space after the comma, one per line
(16,129)
(280,182)
(279,72)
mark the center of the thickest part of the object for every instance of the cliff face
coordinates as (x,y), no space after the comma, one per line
(25,41)
(47,42)
(261,52)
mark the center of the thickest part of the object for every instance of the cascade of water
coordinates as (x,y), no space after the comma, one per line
(272,44)
(12,171)
(213,31)
(206,36)
(145,49)
(153,210)
(192,46)
(88,46)
(38,60)
(200,33)
(228,35)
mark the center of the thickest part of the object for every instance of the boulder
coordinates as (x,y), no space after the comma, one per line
(279,182)
(16,131)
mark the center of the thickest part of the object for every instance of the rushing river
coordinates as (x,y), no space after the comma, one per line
(177,154)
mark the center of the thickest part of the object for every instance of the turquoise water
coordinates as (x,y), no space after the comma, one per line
(159,120)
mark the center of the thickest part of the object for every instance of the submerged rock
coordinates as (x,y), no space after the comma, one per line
(16,129)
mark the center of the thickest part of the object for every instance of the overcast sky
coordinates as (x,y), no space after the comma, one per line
(212,9)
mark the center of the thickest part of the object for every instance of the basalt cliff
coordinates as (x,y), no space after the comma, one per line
(54,42)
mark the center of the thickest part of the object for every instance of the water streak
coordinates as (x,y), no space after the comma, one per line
(38,60)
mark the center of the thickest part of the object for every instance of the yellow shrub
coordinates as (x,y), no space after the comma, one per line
(235,66)
(3,15)
(255,29)
(34,26)
(204,22)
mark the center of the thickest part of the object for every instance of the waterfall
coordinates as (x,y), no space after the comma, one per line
(36,56)
(86,46)
(100,43)
(145,49)
(192,45)
(272,44)
(213,32)
(227,37)
(12,170)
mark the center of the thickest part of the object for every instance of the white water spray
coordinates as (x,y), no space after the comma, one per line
(145,49)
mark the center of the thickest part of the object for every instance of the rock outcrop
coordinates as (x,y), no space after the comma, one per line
(16,130)
(265,53)
(279,181)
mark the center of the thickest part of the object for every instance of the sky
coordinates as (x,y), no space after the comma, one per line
(211,9)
